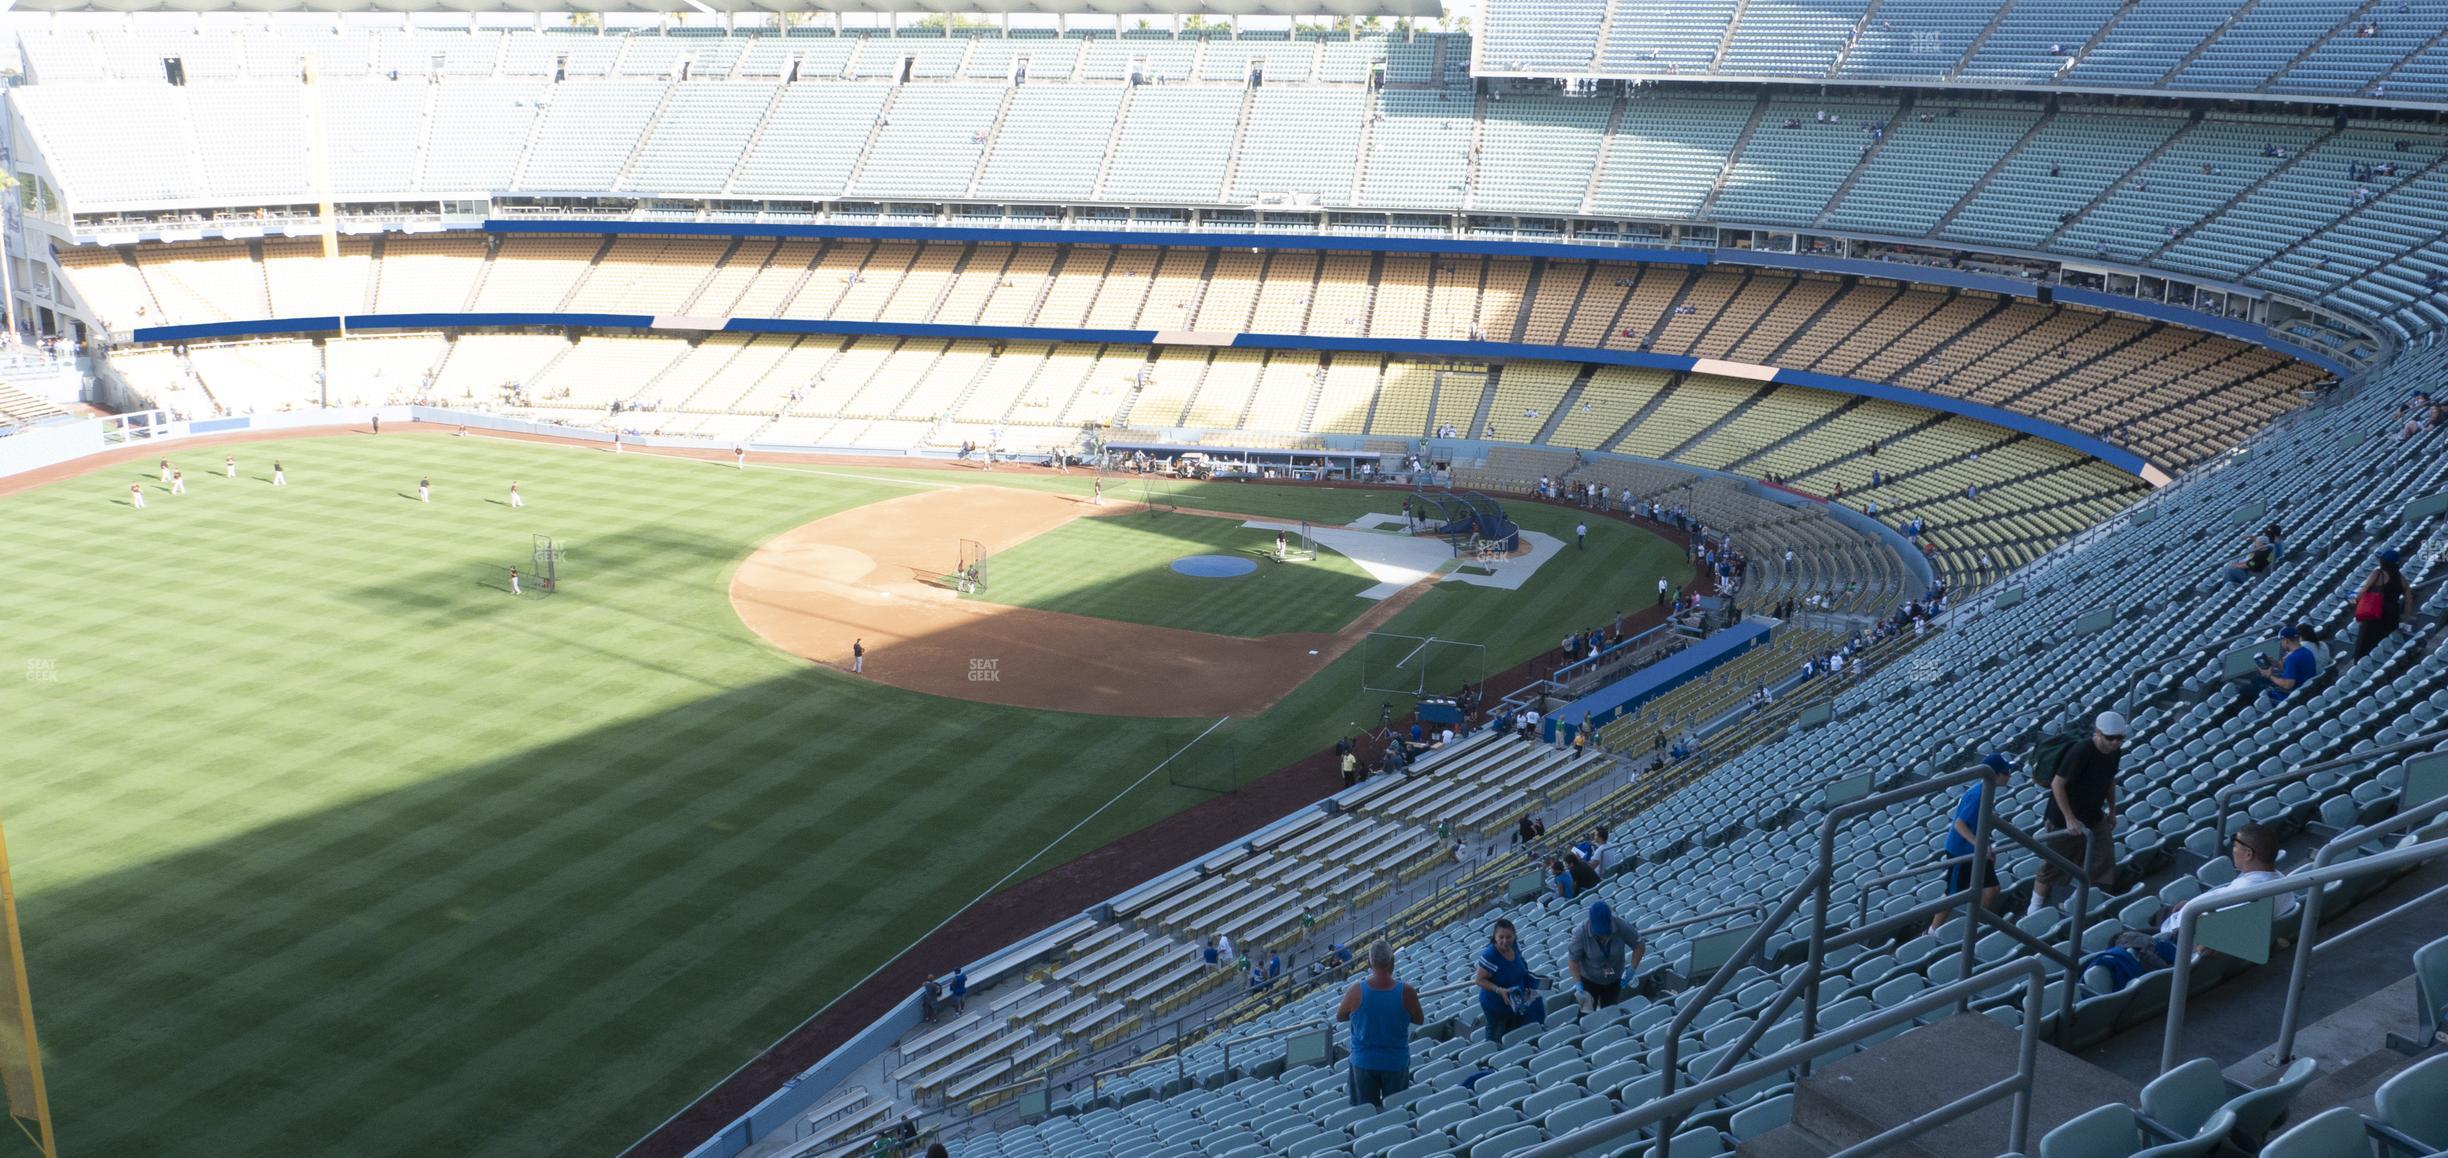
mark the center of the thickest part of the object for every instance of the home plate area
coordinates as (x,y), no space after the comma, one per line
(1384,546)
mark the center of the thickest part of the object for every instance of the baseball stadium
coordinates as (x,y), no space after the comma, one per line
(800,579)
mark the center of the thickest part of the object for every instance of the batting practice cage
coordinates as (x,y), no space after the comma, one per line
(1471,521)
(1303,546)
(544,563)
(1156,493)
(969,575)
(1419,665)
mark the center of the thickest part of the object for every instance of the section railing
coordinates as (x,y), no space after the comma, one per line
(2316,879)
(1817,887)
(1674,1107)
(2290,1021)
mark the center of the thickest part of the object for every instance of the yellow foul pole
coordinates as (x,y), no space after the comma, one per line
(25,1009)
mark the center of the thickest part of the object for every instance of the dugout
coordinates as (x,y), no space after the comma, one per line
(1625,696)
(1229,463)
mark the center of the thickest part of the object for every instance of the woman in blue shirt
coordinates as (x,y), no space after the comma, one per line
(1508,992)
(1381,1011)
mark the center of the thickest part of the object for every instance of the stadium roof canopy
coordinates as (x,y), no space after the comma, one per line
(1429,9)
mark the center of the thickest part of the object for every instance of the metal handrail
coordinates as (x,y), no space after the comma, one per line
(1805,984)
(2229,791)
(1574,670)
(2290,1021)
(2189,916)
(1671,1108)
(1861,915)
(1807,980)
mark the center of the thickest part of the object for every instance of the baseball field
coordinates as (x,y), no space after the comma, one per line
(327,843)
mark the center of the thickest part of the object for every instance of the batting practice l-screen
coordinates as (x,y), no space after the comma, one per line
(969,575)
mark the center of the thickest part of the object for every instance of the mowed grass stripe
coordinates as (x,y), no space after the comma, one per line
(889,862)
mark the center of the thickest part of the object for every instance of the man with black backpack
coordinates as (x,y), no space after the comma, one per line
(2080,776)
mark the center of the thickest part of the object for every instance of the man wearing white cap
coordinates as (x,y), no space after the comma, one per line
(2082,797)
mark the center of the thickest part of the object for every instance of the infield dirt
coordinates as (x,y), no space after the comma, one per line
(876,573)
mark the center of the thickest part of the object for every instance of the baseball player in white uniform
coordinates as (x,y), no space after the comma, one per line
(515,500)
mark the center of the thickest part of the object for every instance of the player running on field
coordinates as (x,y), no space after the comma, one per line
(136,495)
(425,489)
(278,479)
(178,482)
(229,466)
(515,500)
(514,587)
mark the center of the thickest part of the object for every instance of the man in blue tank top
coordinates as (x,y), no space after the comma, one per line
(1381,1011)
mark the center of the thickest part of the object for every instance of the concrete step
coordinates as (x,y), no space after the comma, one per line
(1788,1141)
(2349,1045)
(1902,1079)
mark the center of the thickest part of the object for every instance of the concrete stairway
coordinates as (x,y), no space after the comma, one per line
(1895,1081)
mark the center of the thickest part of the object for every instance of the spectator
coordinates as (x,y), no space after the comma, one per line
(2379,602)
(2259,549)
(1508,992)
(1381,1011)
(1595,850)
(929,998)
(2082,799)
(1559,878)
(2254,852)
(1274,966)
(1211,954)
(1598,957)
(1584,874)
(1351,768)
(1961,832)
(2296,663)
(958,990)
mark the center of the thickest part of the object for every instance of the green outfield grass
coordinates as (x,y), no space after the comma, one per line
(1120,567)
(325,843)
